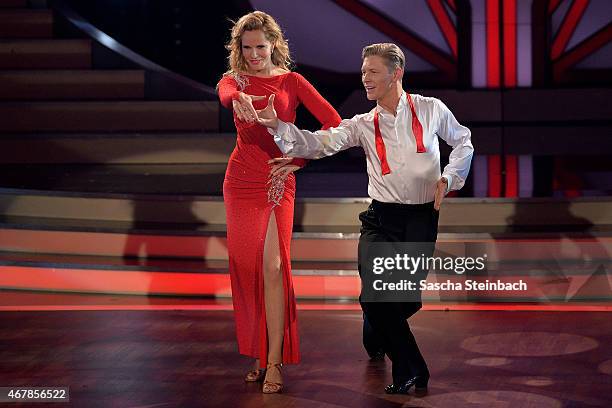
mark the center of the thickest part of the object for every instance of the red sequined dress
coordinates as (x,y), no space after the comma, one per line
(250,200)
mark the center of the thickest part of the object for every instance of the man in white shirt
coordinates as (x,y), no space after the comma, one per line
(400,140)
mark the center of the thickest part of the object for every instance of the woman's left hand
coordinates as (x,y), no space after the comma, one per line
(281,167)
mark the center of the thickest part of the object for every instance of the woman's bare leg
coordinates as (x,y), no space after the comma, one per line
(274,294)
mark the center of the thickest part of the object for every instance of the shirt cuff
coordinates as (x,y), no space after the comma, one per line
(449,183)
(283,137)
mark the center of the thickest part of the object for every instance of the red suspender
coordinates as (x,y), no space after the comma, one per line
(417,129)
(380,147)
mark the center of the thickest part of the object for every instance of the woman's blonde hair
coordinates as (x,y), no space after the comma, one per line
(257,20)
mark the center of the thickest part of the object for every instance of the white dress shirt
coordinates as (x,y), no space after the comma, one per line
(413,176)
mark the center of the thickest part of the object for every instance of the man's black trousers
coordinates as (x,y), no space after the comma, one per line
(385,323)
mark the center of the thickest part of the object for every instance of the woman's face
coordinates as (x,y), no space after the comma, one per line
(256,50)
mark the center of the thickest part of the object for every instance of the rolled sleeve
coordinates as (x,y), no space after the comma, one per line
(459,138)
(283,138)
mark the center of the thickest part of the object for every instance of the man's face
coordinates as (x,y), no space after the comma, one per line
(376,77)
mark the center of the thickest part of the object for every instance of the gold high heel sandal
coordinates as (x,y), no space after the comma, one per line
(255,375)
(273,387)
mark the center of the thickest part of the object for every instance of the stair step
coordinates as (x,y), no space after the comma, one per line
(299,267)
(193,164)
(26,23)
(45,54)
(158,208)
(580,213)
(201,179)
(108,116)
(151,234)
(135,241)
(311,279)
(312,246)
(195,265)
(71,84)
(209,242)
(115,148)
(338,232)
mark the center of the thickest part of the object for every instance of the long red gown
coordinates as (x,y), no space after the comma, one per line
(248,207)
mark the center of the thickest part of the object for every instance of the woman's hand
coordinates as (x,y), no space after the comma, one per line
(243,106)
(267,117)
(281,167)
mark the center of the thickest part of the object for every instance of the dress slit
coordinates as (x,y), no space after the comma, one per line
(286,281)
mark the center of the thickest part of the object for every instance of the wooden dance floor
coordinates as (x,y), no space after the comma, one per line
(188,358)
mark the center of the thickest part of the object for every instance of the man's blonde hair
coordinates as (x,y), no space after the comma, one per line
(391,53)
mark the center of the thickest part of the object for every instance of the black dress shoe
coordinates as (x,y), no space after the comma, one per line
(419,383)
(377,356)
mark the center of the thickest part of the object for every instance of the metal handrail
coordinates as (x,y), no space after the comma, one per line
(64,9)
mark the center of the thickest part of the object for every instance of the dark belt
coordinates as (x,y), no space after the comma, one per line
(401,208)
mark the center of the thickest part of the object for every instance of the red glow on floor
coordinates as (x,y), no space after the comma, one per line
(320,306)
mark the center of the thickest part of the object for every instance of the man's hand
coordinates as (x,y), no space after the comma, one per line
(267,117)
(244,107)
(441,187)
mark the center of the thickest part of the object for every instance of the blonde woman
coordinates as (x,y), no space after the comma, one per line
(259,193)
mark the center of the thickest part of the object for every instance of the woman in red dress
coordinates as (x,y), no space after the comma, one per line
(259,191)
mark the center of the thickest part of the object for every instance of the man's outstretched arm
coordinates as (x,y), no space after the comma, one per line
(296,142)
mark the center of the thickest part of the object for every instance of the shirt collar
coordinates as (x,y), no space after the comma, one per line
(403,103)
